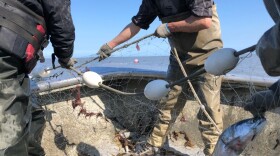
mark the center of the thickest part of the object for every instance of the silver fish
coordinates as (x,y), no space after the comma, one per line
(235,138)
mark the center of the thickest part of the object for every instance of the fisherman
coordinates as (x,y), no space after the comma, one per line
(193,28)
(25,27)
(268,50)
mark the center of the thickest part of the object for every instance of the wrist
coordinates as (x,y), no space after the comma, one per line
(167,28)
(64,59)
(111,44)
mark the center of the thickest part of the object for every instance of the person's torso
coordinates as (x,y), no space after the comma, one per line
(171,7)
(22,30)
(193,44)
(22,22)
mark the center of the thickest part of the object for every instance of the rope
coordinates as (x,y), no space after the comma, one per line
(202,107)
(118,91)
(93,59)
(106,87)
(114,50)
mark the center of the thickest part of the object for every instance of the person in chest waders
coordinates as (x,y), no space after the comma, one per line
(268,50)
(193,28)
(25,27)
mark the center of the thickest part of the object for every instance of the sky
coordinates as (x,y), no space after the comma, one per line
(98,21)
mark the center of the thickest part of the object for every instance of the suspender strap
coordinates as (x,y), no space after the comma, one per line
(22,7)
(24,24)
(18,30)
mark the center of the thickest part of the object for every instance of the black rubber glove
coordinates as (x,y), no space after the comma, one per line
(104,52)
(262,101)
(67,62)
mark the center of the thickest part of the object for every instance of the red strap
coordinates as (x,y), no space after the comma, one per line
(30,49)
(29,52)
(41,29)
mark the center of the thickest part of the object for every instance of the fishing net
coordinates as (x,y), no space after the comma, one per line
(87,121)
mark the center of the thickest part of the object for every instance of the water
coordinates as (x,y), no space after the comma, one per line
(249,68)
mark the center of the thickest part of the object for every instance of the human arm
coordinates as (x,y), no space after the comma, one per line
(263,101)
(191,24)
(268,49)
(127,33)
(200,18)
(142,20)
(61,29)
(145,16)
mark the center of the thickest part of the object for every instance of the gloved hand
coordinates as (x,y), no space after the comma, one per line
(162,31)
(104,52)
(261,102)
(67,62)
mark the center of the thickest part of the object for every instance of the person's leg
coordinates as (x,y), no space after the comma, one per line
(38,124)
(208,89)
(15,110)
(169,107)
(166,117)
